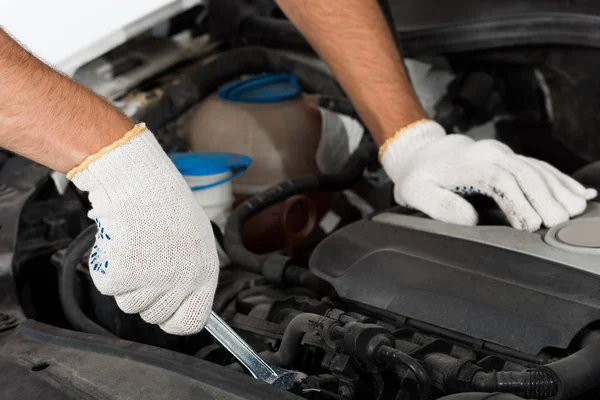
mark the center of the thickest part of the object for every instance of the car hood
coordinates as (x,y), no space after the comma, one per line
(70,33)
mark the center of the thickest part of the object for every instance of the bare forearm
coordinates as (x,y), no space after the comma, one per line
(47,117)
(353,39)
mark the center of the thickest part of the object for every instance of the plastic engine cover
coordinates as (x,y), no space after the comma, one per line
(517,289)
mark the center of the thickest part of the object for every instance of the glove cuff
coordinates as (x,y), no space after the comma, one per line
(135,131)
(408,140)
(134,171)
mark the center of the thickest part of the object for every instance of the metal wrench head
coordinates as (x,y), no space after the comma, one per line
(286,379)
(241,351)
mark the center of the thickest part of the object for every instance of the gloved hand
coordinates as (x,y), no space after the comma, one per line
(432,172)
(155,250)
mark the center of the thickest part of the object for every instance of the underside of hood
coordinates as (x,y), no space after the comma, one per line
(70,33)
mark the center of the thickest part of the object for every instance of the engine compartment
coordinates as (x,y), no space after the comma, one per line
(376,301)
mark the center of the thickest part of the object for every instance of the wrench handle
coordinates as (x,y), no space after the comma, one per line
(239,349)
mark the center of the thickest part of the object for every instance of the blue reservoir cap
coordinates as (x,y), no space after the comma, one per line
(263,88)
(203,164)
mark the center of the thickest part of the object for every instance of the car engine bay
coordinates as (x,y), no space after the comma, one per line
(321,272)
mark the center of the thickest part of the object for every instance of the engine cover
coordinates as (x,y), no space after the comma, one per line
(525,291)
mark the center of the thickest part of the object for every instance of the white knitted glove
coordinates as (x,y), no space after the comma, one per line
(155,250)
(432,172)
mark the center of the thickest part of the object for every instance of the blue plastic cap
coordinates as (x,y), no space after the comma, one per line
(264,88)
(203,164)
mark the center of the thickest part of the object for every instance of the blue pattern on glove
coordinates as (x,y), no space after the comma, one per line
(97,261)
(467,190)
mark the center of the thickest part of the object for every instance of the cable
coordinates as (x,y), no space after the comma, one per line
(66,284)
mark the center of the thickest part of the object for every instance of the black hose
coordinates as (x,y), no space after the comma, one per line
(350,175)
(204,78)
(292,338)
(66,285)
(579,372)
(399,358)
(529,384)
(481,396)
(564,379)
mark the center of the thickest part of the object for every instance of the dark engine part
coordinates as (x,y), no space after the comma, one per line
(505,289)
(68,298)
(38,361)
(524,300)
(353,345)
(502,286)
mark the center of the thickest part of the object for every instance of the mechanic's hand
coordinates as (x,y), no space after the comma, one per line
(155,250)
(432,171)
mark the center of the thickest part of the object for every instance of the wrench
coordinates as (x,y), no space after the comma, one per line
(258,368)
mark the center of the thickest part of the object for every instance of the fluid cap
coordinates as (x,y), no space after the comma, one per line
(205,164)
(263,88)
(581,235)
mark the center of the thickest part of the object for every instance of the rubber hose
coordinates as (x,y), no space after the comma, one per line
(564,379)
(481,396)
(349,176)
(66,286)
(528,384)
(400,358)
(579,372)
(292,338)
(205,78)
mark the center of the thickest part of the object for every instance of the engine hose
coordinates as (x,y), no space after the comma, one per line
(292,338)
(529,384)
(579,372)
(561,380)
(234,246)
(204,78)
(399,358)
(66,287)
(481,396)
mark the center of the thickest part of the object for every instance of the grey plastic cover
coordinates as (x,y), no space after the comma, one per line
(492,283)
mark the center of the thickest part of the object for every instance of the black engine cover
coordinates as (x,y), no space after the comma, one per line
(489,282)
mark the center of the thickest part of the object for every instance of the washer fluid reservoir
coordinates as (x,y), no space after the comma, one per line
(264,117)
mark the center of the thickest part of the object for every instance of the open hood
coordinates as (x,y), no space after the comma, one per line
(70,33)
